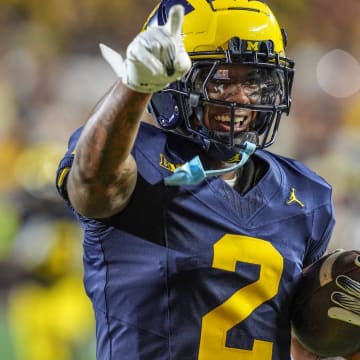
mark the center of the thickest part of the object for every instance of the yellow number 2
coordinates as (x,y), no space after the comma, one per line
(229,250)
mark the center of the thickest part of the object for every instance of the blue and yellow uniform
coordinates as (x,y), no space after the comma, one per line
(201,272)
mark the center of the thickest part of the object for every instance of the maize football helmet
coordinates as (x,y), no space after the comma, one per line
(220,36)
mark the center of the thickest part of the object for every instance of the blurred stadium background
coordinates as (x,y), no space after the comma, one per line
(52,74)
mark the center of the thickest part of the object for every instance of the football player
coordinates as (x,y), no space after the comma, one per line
(194,235)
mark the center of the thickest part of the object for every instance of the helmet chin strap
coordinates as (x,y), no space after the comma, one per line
(193,173)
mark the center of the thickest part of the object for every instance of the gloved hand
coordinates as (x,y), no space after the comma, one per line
(155,58)
(347,300)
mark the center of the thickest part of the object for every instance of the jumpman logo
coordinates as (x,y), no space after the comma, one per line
(293,199)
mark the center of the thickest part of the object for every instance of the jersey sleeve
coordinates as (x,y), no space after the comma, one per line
(318,200)
(65,165)
(323,225)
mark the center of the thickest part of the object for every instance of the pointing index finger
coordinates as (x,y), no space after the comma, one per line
(175,20)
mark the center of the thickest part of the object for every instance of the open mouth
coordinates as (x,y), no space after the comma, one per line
(222,122)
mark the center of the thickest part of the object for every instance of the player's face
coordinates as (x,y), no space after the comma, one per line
(233,84)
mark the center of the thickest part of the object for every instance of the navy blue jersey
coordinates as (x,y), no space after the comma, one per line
(201,272)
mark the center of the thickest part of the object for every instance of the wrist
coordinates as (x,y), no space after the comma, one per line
(143,88)
(142,80)
(132,93)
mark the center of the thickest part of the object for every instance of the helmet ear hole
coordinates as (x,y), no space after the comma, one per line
(164,107)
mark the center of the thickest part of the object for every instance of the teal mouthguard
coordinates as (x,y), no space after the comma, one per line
(193,173)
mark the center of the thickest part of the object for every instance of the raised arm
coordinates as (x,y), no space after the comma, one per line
(103,175)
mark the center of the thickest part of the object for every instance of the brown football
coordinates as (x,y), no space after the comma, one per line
(314,329)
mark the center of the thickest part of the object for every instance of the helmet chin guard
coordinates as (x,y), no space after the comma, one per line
(226,37)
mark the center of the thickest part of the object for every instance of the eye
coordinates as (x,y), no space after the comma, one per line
(252,85)
(217,82)
(254,77)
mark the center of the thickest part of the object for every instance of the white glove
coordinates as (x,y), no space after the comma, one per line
(155,58)
(347,300)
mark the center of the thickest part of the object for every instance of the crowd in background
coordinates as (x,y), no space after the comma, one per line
(52,74)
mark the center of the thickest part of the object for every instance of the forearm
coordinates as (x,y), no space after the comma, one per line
(109,134)
(353,357)
(298,352)
(103,168)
